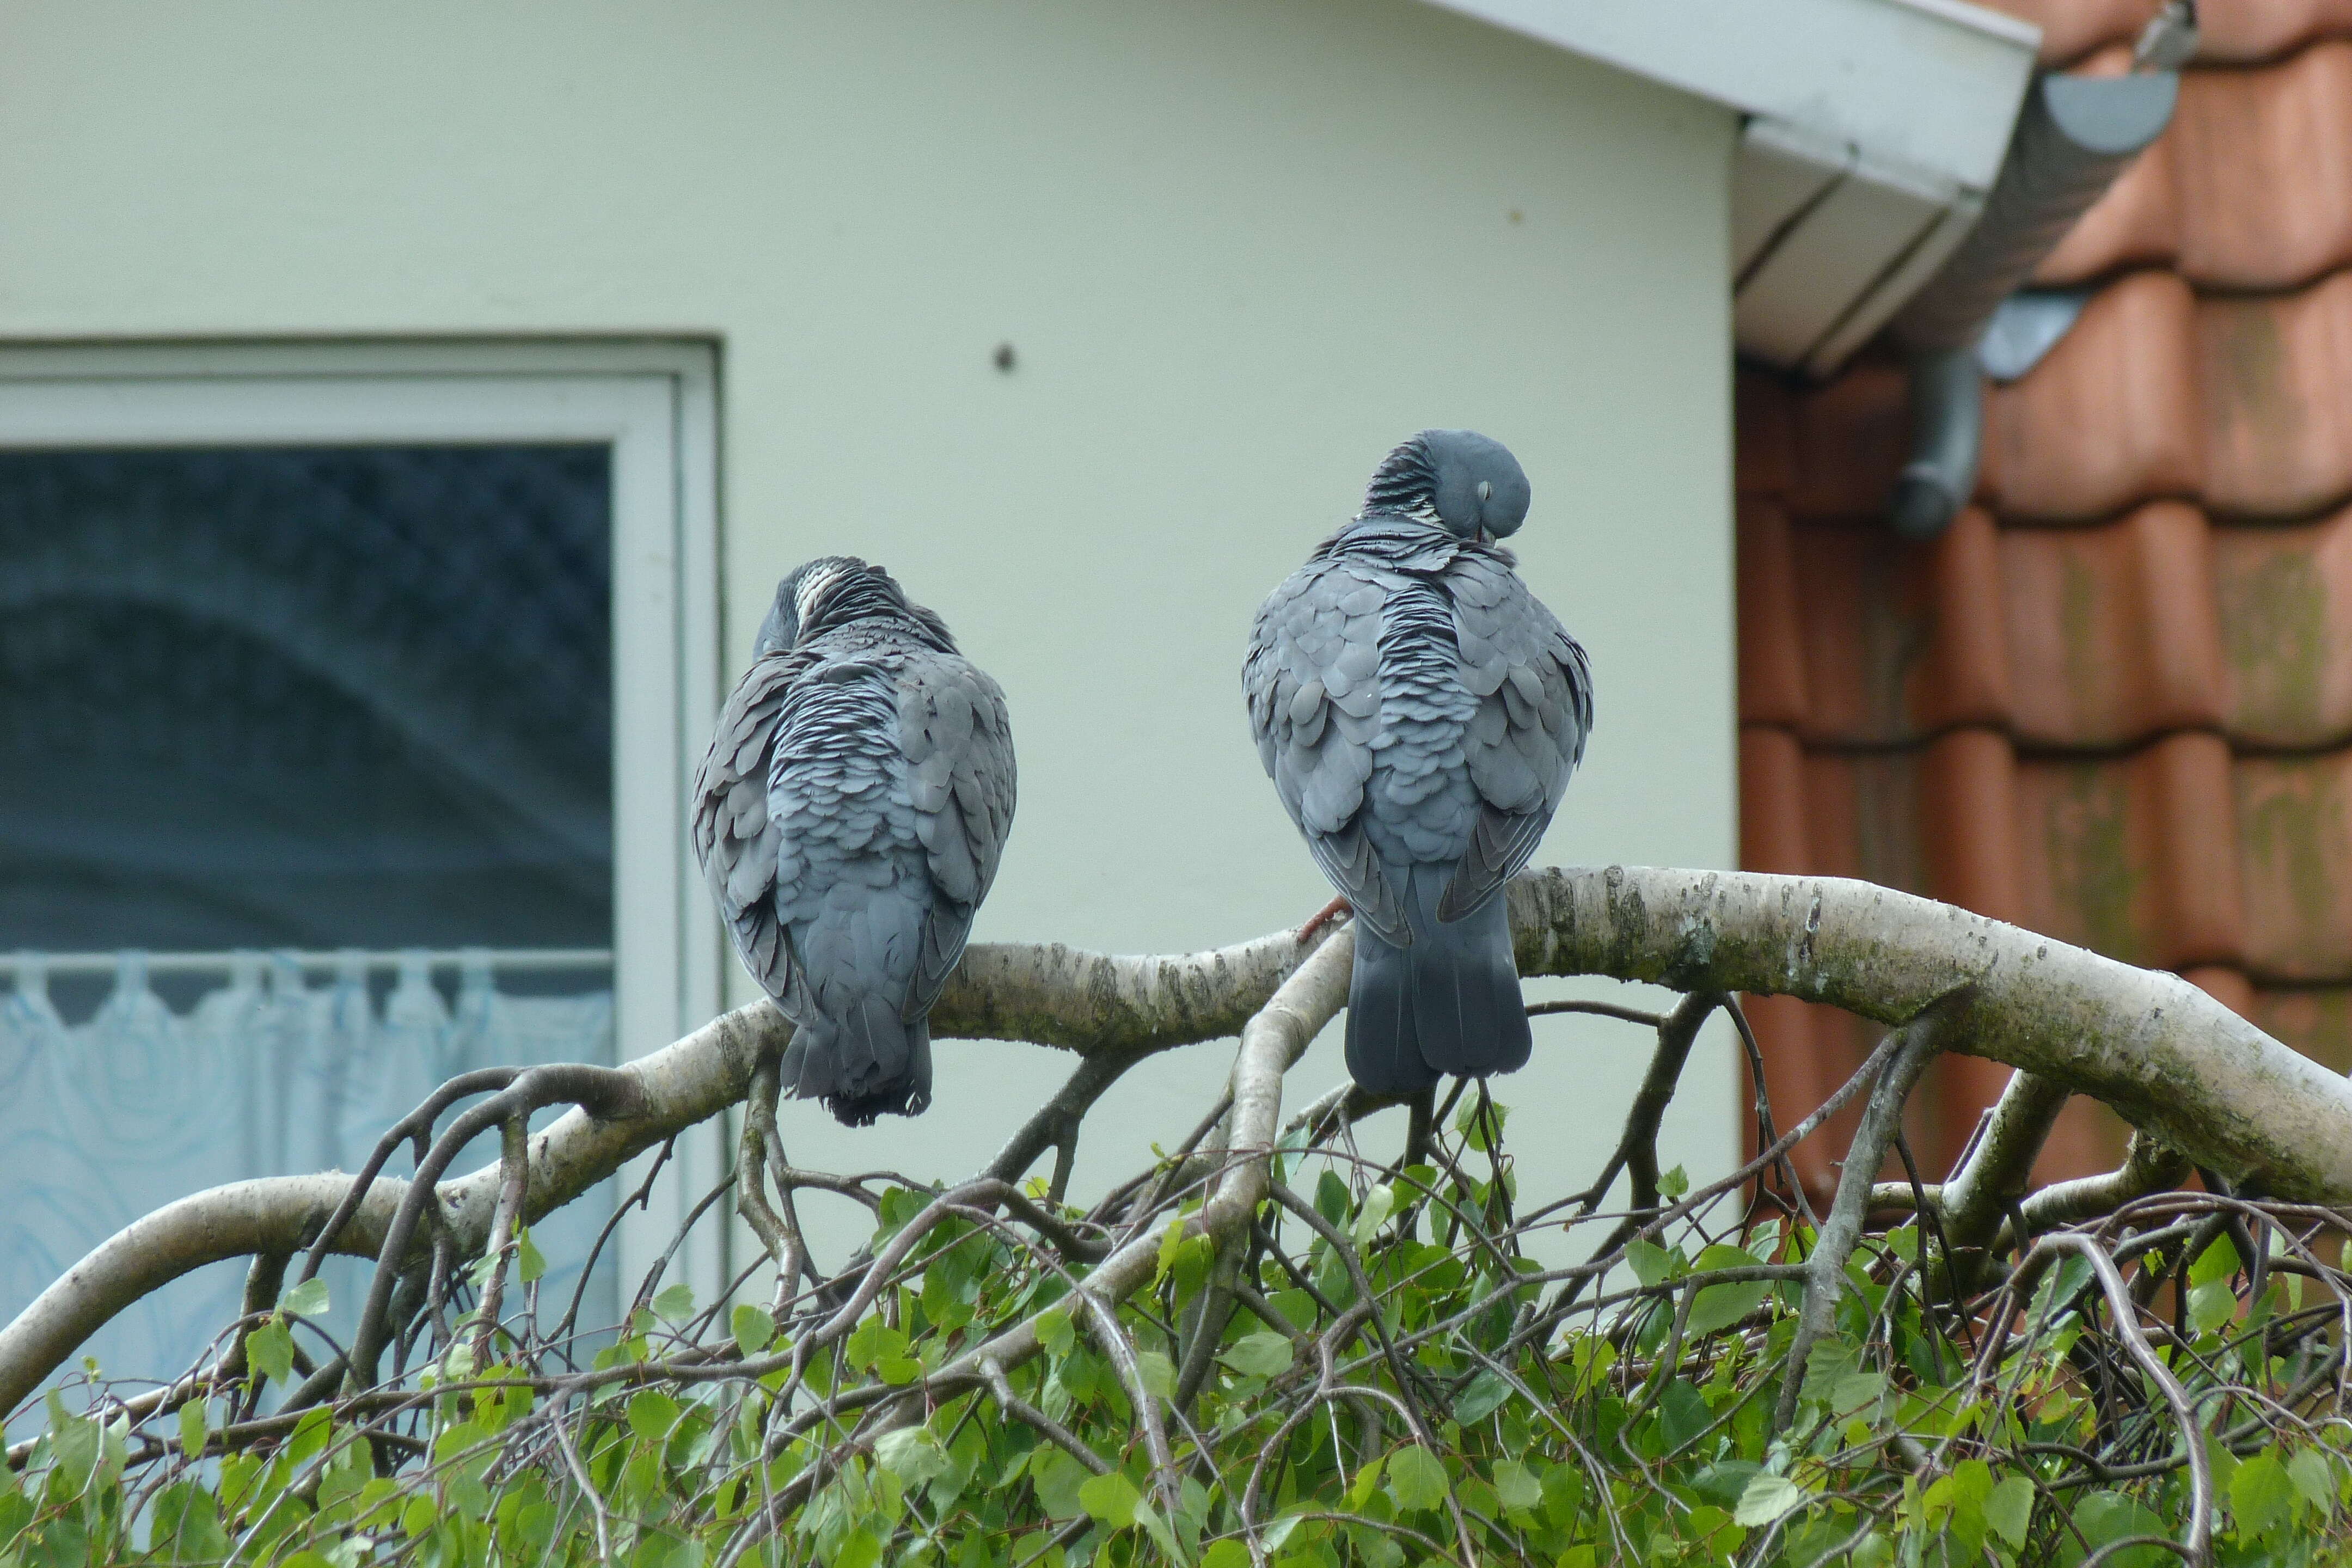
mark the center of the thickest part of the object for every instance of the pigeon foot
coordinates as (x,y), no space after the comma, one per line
(1323,917)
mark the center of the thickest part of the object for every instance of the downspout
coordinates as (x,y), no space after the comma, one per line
(2074,136)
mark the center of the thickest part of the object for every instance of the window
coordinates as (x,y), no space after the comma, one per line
(348,698)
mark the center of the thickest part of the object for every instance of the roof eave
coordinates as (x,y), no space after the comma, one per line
(1874,130)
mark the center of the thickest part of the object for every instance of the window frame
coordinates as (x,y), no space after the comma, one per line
(655,403)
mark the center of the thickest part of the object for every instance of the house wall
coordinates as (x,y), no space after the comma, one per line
(1238,251)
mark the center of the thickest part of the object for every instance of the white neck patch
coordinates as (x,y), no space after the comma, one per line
(813,588)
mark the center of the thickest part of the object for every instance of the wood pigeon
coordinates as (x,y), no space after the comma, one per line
(1419,713)
(849,817)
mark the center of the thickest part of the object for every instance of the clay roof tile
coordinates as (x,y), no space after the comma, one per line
(2283,599)
(2109,417)
(2274,379)
(2240,31)
(2263,165)
(2114,702)
(2294,818)
(2118,623)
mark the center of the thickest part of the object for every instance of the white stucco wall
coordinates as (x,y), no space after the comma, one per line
(1239,250)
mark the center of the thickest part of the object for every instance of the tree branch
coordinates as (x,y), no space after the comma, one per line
(2167,1056)
(2163,1054)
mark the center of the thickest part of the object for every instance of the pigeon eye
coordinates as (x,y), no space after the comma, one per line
(1485,490)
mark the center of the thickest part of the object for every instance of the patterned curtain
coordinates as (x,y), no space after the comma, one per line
(268,1073)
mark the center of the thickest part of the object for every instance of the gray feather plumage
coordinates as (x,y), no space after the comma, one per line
(849,818)
(1419,713)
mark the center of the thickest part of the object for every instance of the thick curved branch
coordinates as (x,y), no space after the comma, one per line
(2167,1056)
(1088,1003)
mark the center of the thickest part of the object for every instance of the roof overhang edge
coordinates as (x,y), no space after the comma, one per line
(1933,85)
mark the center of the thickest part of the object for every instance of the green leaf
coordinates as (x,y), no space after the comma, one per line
(1651,1263)
(528,1263)
(652,1413)
(1054,1330)
(675,1305)
(2009,1510)
(1172,1246)
(1964,1492)
(2217,1262)
(2106,1518)
(1683,1414)
(1767,1499)
(2315,1477)
(307,1300)
(753,1328)
(1058,1478)
(1674,1184)
(1111,1498)
(1481,1397)
(1156,1374)
(872,1340)
(1415,1479)
(1720,1306)
(194,1421)
(1157,1527)
(1378,1205)
(2062,1284)
(271,1350)
(2262,1496)
(1519,1490)
(857,1550)
(1225,1554)
(913,1455)
(2211,1304)
(1266,1355)
(1854,1391)
(1331,1199)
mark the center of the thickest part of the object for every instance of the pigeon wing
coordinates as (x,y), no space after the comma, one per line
(1312,683)
(735,838)
(1534,689)
(958,741)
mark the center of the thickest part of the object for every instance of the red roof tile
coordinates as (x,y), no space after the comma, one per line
(2114,702)
(2118,622)
(2272,372)
(2294,819)
(2284,598)
(2127,371)
(2294,117)
(2237,31)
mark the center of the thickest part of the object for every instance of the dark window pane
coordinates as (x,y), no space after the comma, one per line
(305,697)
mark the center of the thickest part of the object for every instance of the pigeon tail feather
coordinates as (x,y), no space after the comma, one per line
(870,1064)
(1448,1002)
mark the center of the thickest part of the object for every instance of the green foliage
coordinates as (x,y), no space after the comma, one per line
(1625,1413)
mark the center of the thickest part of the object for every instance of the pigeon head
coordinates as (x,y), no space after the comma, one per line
(1464,482)
(832,591)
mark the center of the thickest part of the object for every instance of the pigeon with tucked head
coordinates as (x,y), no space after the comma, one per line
(849,818)
(1420,713)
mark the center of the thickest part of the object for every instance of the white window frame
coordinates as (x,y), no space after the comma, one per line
(656,405)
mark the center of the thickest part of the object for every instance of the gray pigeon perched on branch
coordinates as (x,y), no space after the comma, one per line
(1419,713)
(849,817)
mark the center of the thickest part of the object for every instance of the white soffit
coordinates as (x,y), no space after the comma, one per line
(1874,129)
